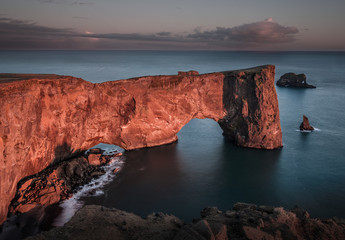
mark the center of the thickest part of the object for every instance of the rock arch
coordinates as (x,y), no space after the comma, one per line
(41,112)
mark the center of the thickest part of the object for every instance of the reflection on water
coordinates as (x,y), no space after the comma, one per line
(204,169)
(249,174)
(201,169)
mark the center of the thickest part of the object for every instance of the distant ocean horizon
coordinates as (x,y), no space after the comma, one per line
(205,169)
(115,64)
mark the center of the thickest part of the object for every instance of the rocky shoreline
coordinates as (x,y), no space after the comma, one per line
(58,181)
(38,195)
(244,221)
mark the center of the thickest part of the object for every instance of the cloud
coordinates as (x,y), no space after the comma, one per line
(68,2)
(158,37)
(26,34)
(81,18)
(17,34)
(260,33)
(164,33)
(17,28)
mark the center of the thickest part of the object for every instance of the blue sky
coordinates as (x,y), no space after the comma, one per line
(173,25)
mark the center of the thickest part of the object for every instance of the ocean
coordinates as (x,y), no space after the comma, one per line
(205,169)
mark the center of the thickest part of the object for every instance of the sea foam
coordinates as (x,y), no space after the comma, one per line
(93,188)
(308,131)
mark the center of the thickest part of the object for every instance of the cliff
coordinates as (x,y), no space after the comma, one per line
(49,117)
(244,221)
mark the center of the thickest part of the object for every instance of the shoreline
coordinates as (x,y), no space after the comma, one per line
(51,197)
(49,221)
(244,221)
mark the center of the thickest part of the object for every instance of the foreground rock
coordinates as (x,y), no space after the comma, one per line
(294,80)
(57,182)
(245,221)
(305,126)
(47,117)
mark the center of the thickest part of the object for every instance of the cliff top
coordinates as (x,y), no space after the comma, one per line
(12,77)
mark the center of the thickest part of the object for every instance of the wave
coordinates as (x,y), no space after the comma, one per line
(308,131)
(93,188)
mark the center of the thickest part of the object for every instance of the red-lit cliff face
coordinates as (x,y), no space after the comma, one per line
(44,117)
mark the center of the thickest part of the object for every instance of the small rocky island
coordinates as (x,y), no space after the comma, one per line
(305,125)
(294,80)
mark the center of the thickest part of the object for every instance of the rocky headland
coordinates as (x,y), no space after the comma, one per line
(294,80)
(244,221)
(48,118)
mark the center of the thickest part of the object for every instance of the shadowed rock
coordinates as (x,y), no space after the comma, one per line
(294,80)
(41,112)
(248,221)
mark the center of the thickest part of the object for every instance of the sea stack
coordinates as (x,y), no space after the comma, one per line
(294,80)
(305,126)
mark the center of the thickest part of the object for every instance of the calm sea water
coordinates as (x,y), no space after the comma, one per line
(205,169)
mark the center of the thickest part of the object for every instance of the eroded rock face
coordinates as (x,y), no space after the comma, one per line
(294,80)
(245,221)
(48,117)
(57,182)
(251,106)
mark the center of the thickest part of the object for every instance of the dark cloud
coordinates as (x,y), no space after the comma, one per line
(263,32)
(158,37)
(25,34)
(82,18)
(68,2)
(17,34)
(164,33)
(10,27)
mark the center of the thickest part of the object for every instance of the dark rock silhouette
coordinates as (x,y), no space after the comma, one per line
(245,221)
(305,125)
(294,80)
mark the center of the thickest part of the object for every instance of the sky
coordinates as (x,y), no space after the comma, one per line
(259,25)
